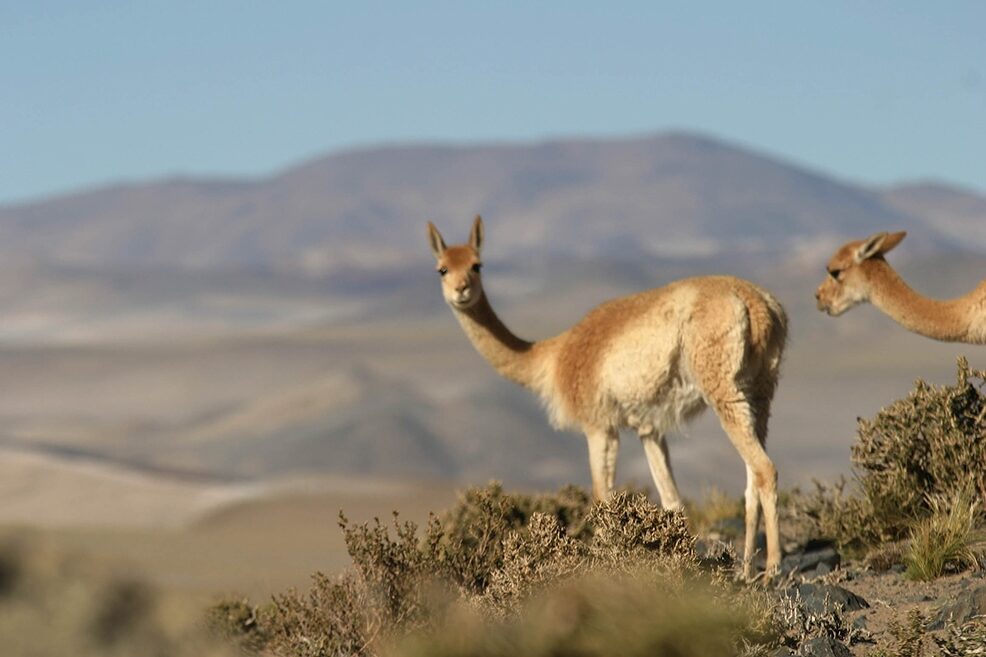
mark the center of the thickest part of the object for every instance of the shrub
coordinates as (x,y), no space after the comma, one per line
(626,533)
(930,444)
(237,621)
(926,446)
(468,540)
(488,561)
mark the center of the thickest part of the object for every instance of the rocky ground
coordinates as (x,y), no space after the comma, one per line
(864,611)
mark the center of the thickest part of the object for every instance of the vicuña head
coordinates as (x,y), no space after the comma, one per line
(858,273)
(459,266)
(649,362)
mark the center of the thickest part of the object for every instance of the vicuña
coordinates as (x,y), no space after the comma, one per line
(649,362)
(858,272)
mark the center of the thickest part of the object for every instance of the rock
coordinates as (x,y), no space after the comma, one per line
(969,603)
(823,598)
(805,561)
(822,569)
(782,652)
(824,646)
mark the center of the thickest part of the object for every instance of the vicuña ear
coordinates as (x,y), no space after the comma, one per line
(879,244)
(476,236)
(435,241)
(892,240)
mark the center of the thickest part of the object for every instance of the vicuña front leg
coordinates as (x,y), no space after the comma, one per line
(604,445)
(656,449)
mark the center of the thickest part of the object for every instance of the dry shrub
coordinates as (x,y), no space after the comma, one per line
(487,561)
(626,532)
(963,640)
(928,445)
(239,623)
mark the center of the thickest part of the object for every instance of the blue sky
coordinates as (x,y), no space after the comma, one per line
(100,92)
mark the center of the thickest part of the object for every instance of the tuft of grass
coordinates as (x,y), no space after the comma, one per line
(940,543)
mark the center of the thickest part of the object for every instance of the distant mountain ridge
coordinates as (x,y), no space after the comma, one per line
(666,195)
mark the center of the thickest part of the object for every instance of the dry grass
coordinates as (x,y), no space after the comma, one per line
(940,543)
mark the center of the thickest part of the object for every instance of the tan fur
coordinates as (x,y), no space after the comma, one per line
(649,362)
(858,273)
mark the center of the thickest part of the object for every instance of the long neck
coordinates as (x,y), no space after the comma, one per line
(511,356)
(951,320)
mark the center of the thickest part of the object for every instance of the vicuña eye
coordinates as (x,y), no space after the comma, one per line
(834,273)
(443,271)
(477,267)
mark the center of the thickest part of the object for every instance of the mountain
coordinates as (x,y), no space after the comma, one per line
(667,195)
(956,213)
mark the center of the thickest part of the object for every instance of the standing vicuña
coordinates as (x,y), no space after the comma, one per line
(858,272)
(650,362)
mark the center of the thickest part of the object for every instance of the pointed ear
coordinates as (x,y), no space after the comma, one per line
(879,244)
(893,239)
(476,235)
(435,241)
(870,247)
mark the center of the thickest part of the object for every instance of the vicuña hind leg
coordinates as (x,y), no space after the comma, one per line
(603,448)
(737,421)
(656,449)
